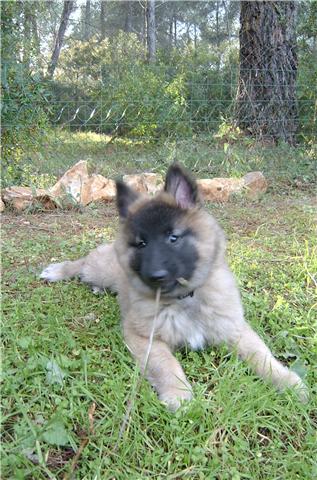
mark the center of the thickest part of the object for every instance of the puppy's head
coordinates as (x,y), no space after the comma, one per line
(161,243)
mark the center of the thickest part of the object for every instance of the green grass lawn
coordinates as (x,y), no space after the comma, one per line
(64,353)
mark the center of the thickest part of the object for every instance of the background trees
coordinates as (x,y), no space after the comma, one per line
(157,68)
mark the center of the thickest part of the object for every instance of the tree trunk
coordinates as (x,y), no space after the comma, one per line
(103,20)
(266,100)
(175,31)
(27,33)
(67,10)
(87,21)
(217,25)
(170,30)
(128,17)
(35,33)
(150,31)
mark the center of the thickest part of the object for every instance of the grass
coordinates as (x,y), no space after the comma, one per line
(284,166)
(63,353)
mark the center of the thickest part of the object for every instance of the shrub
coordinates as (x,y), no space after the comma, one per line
(24,117)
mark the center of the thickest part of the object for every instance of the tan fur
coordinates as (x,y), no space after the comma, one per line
(213,315)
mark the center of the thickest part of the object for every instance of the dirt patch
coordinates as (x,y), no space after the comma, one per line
(240,216)
(65,223)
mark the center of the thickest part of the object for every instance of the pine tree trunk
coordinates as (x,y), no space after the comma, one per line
(266,101)
(67,10)
(103,20)
(151,30)
(175,31)
(27,33)
(170,30)
(87,23)
(35,33)
(217,25)
(128,17)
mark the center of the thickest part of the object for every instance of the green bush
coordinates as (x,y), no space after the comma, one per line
(24,115)
(145,103)
(107,86)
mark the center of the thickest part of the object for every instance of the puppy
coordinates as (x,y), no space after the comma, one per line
(170,243)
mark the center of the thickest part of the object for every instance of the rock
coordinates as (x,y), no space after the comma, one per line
(219,189)
(21,198)
(135,182)
(255,184)
(153,182)
(145,182)
(2,205)
(97,188)
(77,187)
(72,182)
(18,197)
(82,188)
(74,187)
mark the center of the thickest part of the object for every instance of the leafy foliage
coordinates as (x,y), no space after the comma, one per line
(24,117)
(307,72)
(107,86)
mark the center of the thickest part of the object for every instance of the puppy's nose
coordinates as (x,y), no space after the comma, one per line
(159,276)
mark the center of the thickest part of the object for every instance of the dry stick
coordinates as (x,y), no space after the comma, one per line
(127,415)
(182,281)
(83,443)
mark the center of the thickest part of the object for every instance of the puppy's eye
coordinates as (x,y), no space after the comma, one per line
(140,244)
(172,238)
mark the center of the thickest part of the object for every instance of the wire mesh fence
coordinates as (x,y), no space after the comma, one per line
(175,104)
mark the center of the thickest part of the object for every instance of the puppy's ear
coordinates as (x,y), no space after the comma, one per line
(125,197)
(182,186)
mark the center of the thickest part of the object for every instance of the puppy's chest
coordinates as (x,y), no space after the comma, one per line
(182,324)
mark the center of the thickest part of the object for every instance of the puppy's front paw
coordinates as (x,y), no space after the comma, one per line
(53,272)
(174,397)
(289,379)
(295,382)
(97,290)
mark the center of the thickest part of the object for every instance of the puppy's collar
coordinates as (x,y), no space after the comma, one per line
(190,294)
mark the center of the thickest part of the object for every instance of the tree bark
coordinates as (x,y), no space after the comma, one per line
(266,100)
(87,20)
(67,10)
(175,31)
(128,17)
(217,25)
(27,33)
(103,20)
(170,30)
(35,32)
(151,31)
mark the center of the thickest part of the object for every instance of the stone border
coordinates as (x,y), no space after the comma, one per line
(77,188)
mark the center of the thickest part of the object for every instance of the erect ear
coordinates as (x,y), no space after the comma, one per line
(182,186)
(125,197)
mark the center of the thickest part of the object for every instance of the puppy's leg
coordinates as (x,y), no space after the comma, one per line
(62,271)
(162,369)
(100,269)
(251,348)
(229,326)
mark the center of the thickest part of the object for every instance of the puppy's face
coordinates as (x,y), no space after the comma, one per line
(162,247)
(160,241)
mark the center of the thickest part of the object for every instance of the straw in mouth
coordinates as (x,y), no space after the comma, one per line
(182,281)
